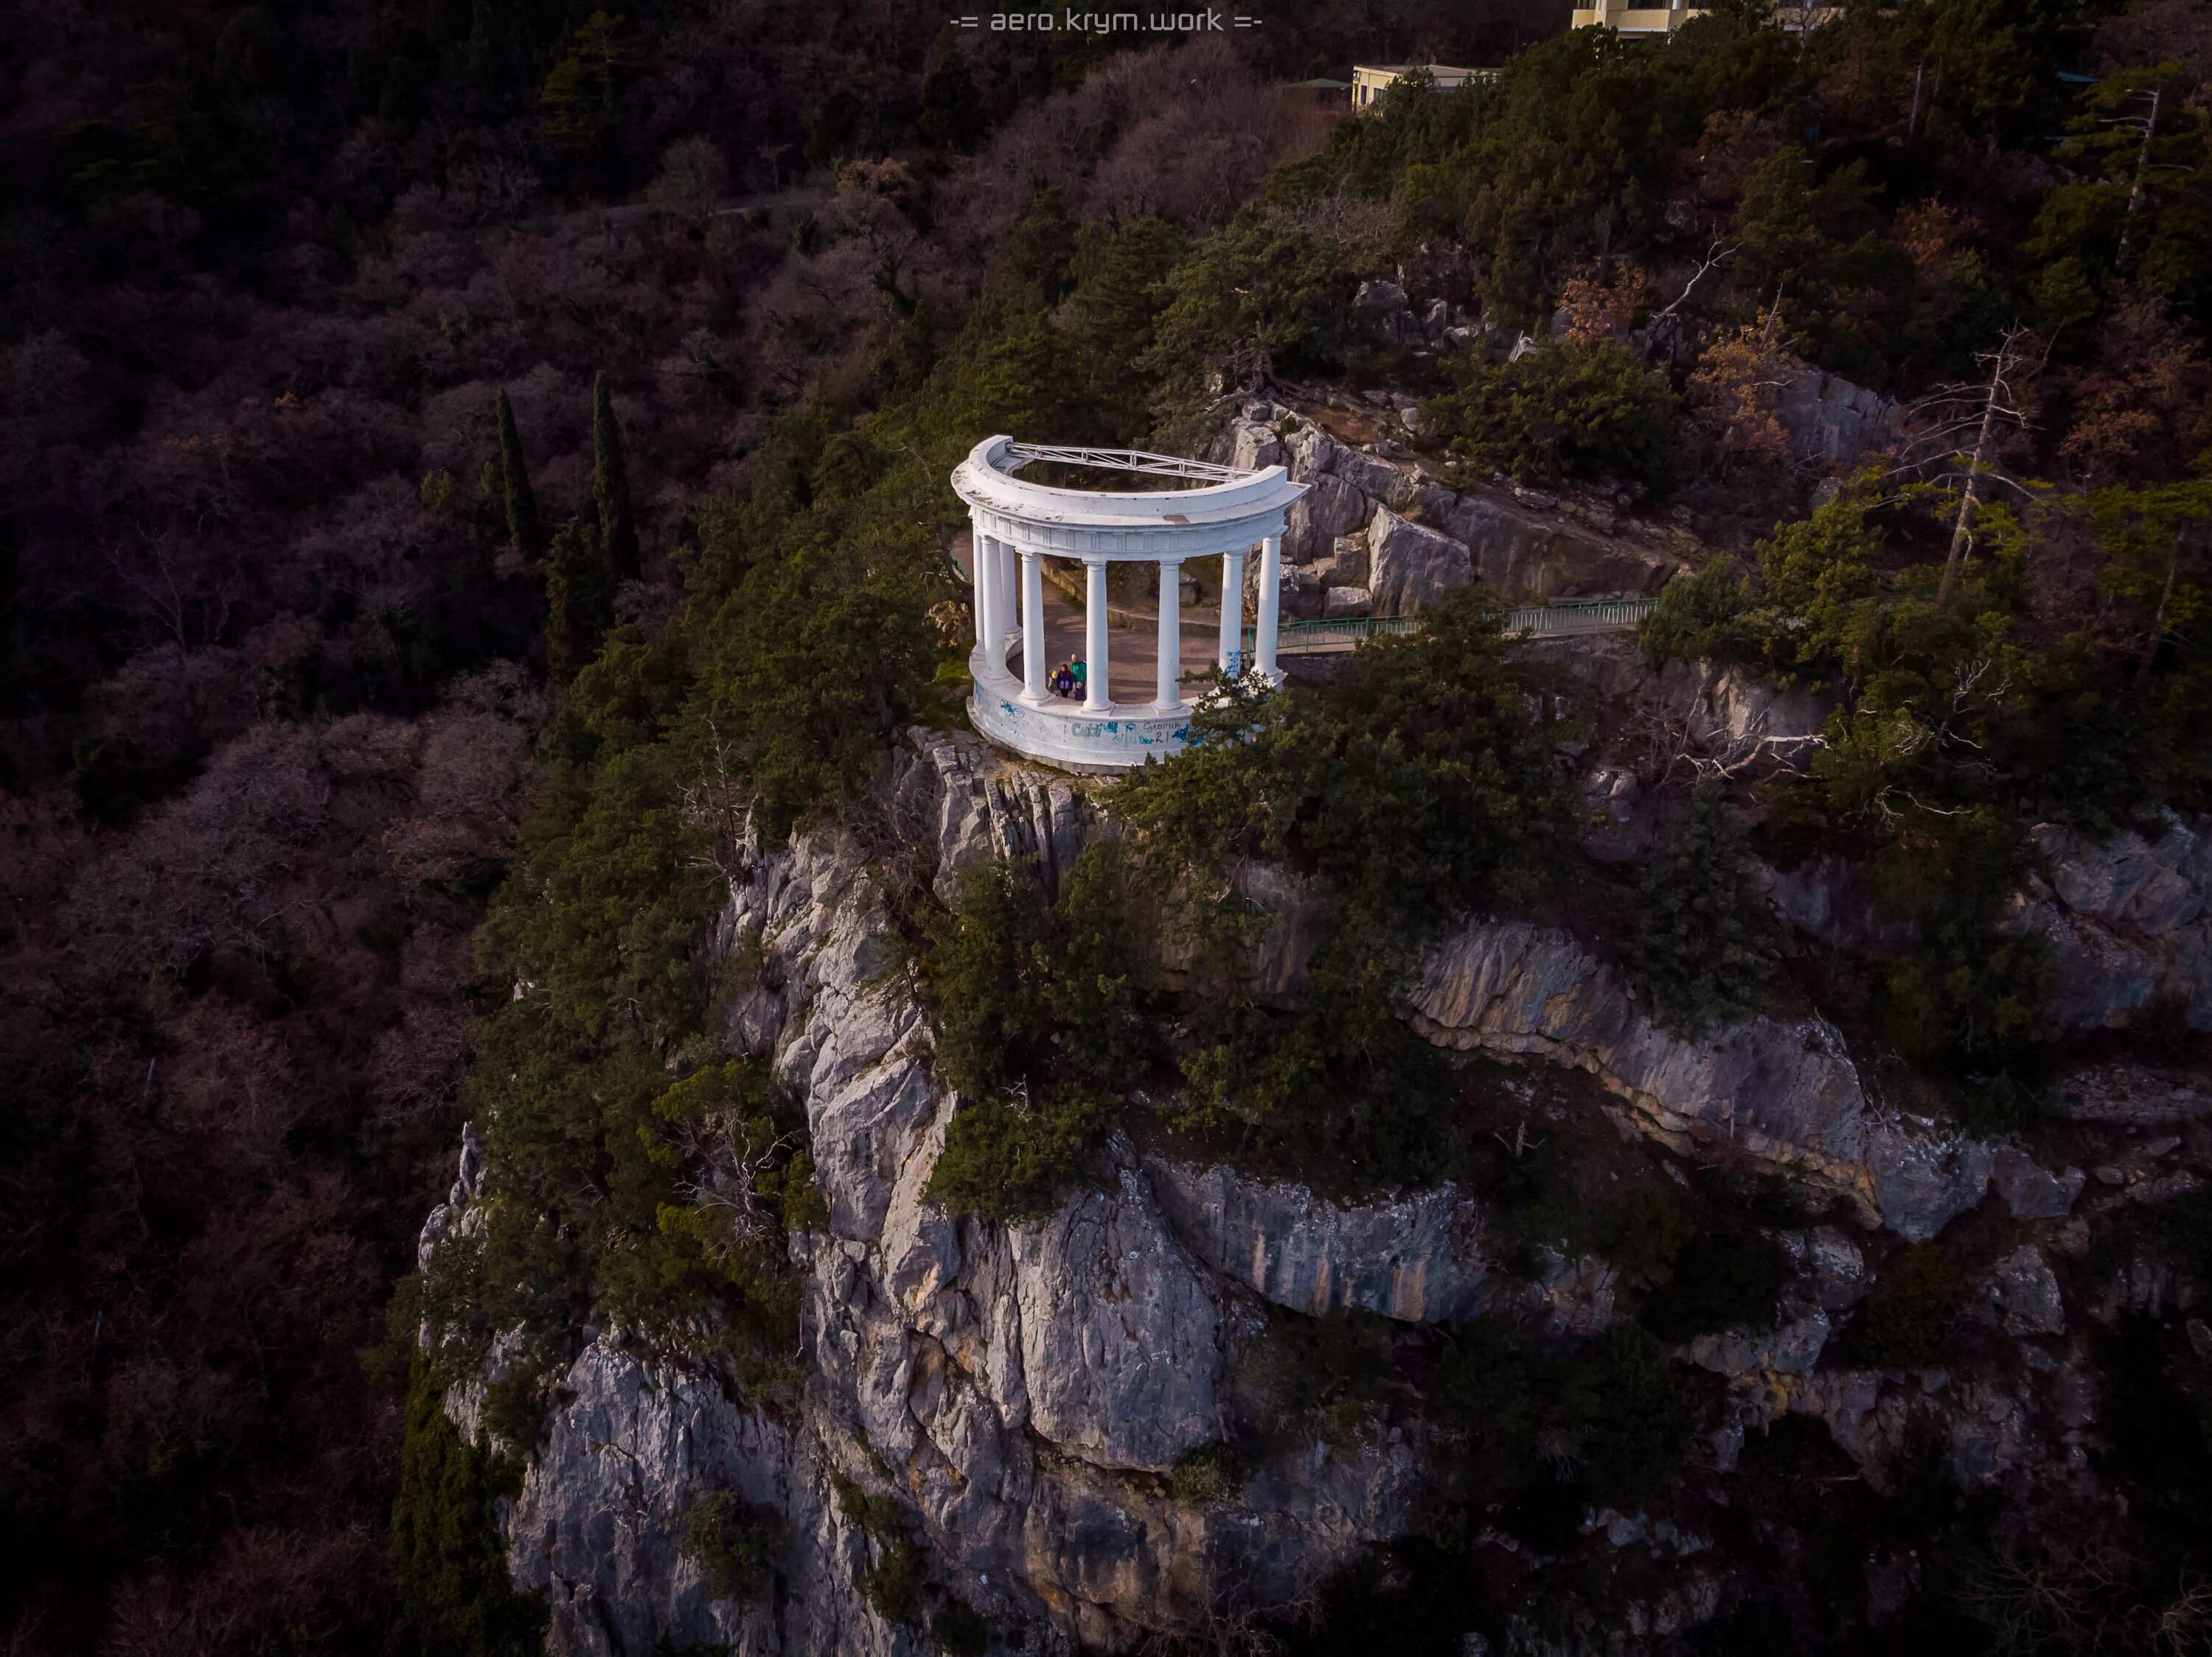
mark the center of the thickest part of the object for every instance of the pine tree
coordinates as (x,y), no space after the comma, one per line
(523,532)
(1705,942)
(952,110)
(579,598)
(610,485)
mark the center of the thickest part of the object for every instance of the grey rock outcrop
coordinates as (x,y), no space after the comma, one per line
(1122,1336)
(1018,1389)
(2133,1095)
(1414,565)
(1782,1090)
(1831,421)
(596,1525)
(1522,551)
(1415,1257)
(2129,923)
(1789,1348)
(2025,1292)
(1013,1387)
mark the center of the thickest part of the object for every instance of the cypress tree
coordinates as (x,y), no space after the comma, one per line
(523,532)
(610,483)
(1705,939)
(579,598)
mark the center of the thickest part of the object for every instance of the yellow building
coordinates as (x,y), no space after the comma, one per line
(1371,81)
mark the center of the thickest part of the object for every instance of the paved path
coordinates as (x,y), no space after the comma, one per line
(1134,637)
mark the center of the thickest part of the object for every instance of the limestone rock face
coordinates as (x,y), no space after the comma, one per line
(2128,923)
(1012,1387)
(1526,557)
(1414,565)
(1330,509)
(602,1506)
(1017,1389)
(1121,1334)
(1523,551)
(2026,1292)
(1414,1258)
(1829,419)
(1785,1090)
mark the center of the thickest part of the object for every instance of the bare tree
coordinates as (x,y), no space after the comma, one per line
(1990,409)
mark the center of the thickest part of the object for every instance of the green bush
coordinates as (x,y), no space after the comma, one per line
(2176,1231)
(1705,940)
(736,1544)
(1041,1007)
(448,1563)
(959,1630)
(1260,296)
(1207,1472)
(1491,1392)
(1609,1422)
(1628,1412)
(1329,1375)
(1701,616)
(1007,1160)
(1906,1321)
(1968,1001)
(1417,780)
(1566,410)
(1717,1282)
(892,1582)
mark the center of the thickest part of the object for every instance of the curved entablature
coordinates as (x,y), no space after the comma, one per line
(1121,460)
(1228,513)
(1019,525)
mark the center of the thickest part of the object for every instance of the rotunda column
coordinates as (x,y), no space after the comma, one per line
(1171,682)
(1095,699)
(1009,579)
(1232,614)
(979,581)
(1032,627)
(1269,621)
(997,601)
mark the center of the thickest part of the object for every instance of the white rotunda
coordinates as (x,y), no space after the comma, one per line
(1208,511)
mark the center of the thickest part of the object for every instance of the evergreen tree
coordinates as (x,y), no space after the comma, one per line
(1705,942)
(952,110)
(523,532)
(610,485)
(579,598)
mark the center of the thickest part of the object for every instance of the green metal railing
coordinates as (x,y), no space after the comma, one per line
(1535,620)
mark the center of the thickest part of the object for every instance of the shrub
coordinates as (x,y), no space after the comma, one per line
(1968,1001)
(1719,1280)
(736,1544)
(1701,617)
(1487,1390)
(1905,1322)
(1330,1375)
(1627,1411)
(1206,1472)
(1568,409)
(1704,942)
(892,1582)
(1040,1008)
(454,1593)
(1008,1160)
(959,1630)
(1417,780)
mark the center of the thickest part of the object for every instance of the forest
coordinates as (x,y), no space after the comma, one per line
(470,465)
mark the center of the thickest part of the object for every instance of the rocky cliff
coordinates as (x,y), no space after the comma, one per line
(1024,1393)
(1390,536)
